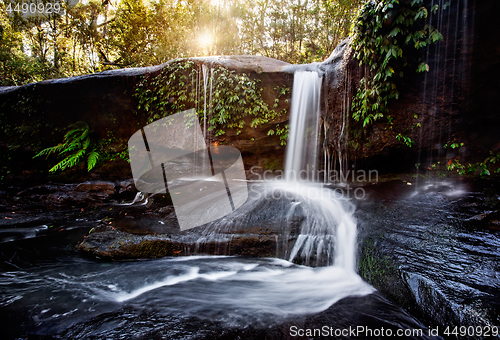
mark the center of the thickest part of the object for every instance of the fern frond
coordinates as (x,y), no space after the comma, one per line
(79,131)
(71,146)
(75,158)
(69,161)
(86,143)
(49,151)
(75,144)
(92,159)
(60,166)
(84,134)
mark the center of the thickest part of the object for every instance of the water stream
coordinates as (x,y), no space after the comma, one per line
(49,289)
(302,144)
(52,297)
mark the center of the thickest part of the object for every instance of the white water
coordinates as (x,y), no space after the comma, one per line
(206,79)
(302,145)
(232,290)
(328,230)
(235,291)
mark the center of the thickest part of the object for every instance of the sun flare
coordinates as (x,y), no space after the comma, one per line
(205,39)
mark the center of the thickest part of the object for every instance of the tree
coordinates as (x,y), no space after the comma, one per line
(103,34)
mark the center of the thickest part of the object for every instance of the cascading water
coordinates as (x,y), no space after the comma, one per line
(328,230)
(313,225)
(302,149)
(206,80)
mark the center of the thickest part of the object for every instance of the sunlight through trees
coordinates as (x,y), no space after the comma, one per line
(98,35)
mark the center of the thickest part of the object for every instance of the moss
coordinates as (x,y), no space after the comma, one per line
(382,272)
(272,163)
(149,249)
(255,246)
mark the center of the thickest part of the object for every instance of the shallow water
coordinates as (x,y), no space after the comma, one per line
(235,291)
(49,289)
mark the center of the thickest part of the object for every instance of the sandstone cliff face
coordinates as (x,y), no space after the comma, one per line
(454,101)
(36,115)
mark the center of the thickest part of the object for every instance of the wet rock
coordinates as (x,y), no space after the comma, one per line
(167,210)
(152,230)
(67,198)
(82,194)
(486,220)
(99,188)
(112,243)
(126,186)
(86,193)
(109,243)
(432,253)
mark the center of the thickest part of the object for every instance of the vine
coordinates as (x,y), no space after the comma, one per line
(282,132)
(235,101)
(388,35)
(234,97)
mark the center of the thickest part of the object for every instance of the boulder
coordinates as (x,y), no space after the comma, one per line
(100,188)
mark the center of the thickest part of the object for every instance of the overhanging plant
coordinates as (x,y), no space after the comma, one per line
(388,37)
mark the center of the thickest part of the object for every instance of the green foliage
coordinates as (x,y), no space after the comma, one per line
(98,35)
(77,147)
(482,169)
(388,35)
(405,139)
(281,91)
(294,31)
(282,132)
(493,158)
(16,68)
(374,266)
(453,145)
(471,169)
(235,98)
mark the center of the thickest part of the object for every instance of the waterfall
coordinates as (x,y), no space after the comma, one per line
(302,149)
(328,229)
(312,224)
(204,69)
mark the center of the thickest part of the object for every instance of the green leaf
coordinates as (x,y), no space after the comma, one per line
(92,159)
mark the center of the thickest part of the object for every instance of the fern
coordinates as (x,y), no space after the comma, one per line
(92,159)
(76,144)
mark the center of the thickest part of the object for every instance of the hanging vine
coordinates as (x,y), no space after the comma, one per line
(234,97)
(388,37)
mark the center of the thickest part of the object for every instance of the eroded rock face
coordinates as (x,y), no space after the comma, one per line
(454,100)
(106,102)
(432,249)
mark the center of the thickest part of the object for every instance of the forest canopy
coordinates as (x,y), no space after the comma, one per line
(98,35)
